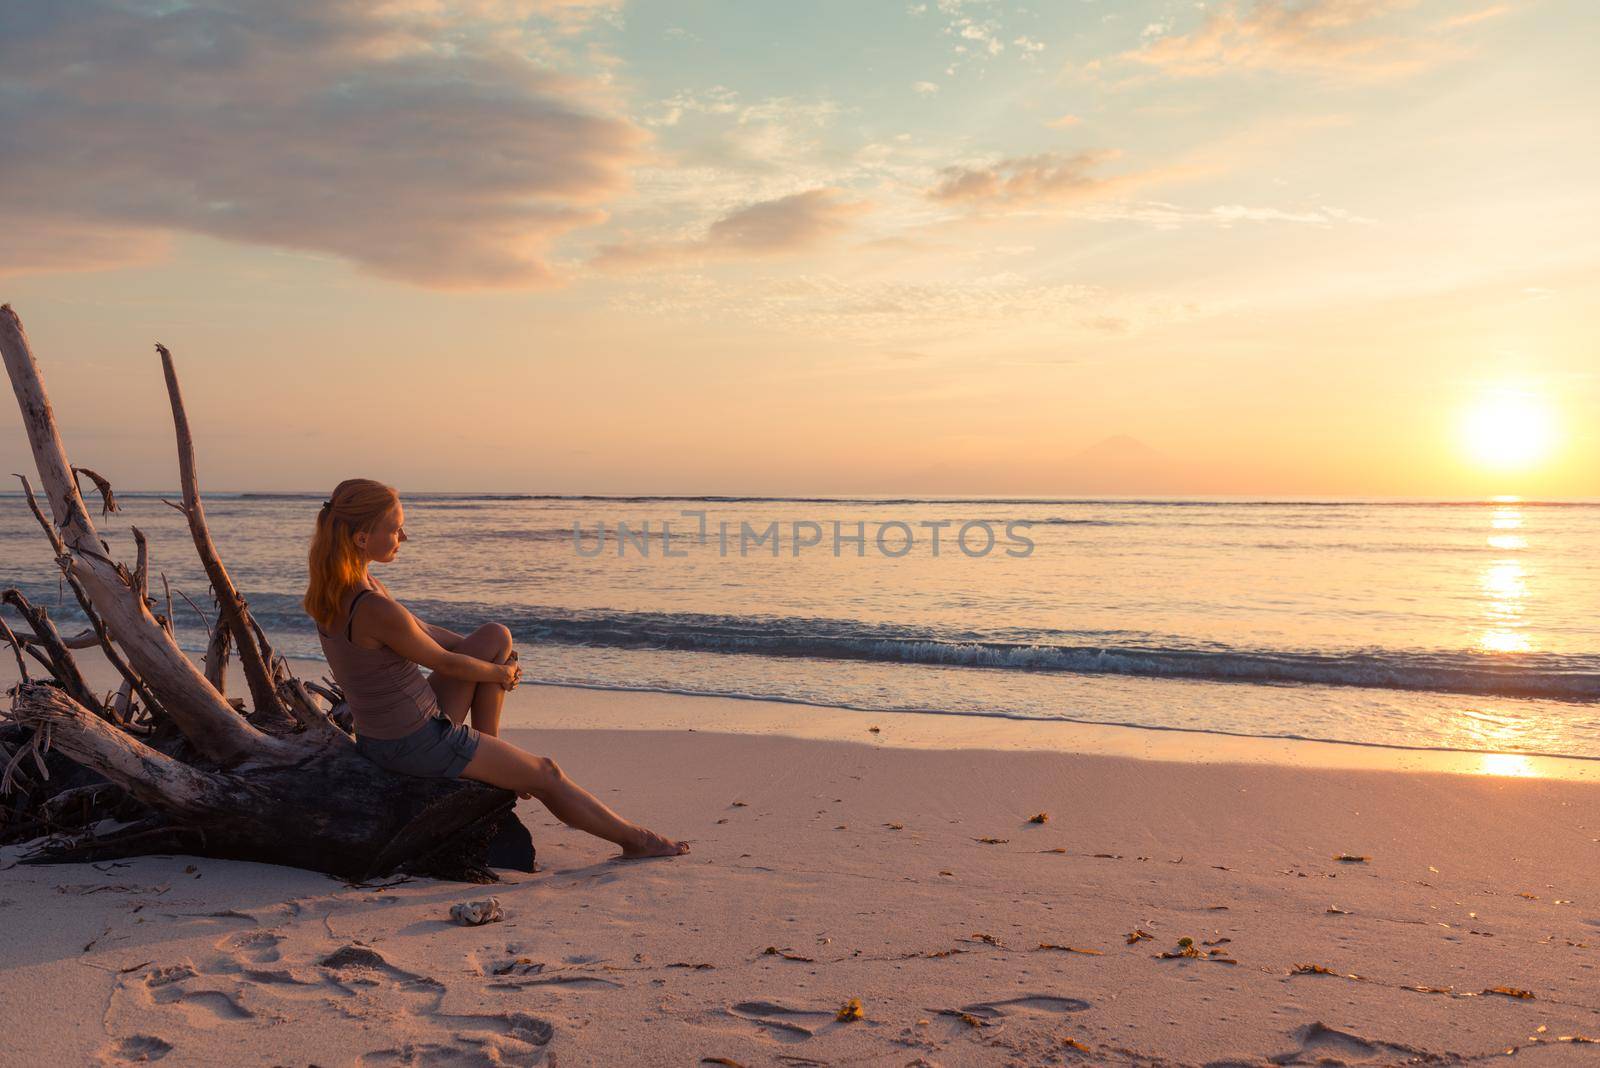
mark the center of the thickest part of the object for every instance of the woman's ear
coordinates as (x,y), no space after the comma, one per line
(360,538)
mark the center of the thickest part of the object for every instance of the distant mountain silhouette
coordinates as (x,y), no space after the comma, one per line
(1119,464)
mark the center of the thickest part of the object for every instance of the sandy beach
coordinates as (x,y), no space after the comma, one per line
(883,869)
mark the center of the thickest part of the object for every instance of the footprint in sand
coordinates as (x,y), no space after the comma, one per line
(138,1049)
(203,1007)
(256,947)
(1321,1044)
(515,1038)
(362,966)
(171,973)
(167,986)
(785,1024)
(1046,1004)
(557,981)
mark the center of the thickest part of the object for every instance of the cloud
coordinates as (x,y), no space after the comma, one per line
(408,137)
(1330,37)
(717,127)
(789,224)
(1047,178)
(925,88)
(904,318)
(1467,19)
(1063,122)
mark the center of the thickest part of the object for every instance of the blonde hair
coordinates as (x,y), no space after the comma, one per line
(356,504)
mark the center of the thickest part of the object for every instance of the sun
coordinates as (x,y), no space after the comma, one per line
(1508,430)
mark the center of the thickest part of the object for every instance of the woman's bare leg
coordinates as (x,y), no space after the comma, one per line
(503,764)
(483,700)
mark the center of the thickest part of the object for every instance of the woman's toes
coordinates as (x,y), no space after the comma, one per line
(651,844)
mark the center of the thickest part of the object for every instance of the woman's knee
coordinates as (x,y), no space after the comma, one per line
(495,638)
(544,775)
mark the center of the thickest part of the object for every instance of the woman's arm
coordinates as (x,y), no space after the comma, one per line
(390,623)
(447,638)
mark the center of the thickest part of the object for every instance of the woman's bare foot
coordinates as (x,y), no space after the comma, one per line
(651,844)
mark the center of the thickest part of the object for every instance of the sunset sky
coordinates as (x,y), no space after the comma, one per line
(1326,247)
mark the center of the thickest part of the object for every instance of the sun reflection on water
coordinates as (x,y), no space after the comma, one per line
(1507,764)
(1505,587)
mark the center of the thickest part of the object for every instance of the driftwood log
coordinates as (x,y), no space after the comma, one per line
(168,763)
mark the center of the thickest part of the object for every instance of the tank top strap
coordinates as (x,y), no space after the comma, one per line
(350,617)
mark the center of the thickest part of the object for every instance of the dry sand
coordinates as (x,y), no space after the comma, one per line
(882,869)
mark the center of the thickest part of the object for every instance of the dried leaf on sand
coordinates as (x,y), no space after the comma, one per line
(1186,948)
(851,1010)
(774,951)
(1511,992)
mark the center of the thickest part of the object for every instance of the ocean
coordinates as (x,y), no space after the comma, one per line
(1470,625)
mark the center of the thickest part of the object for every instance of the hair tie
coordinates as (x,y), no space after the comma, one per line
(327,504)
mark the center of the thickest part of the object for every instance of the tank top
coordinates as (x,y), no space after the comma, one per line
(387,694)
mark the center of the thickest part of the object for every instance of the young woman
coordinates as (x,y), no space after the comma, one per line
(416,725)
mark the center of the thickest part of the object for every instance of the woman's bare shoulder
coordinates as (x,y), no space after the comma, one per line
(377,615)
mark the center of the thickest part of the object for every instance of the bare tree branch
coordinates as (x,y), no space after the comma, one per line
(108,500)
(16,649)
(217,657)
(235,613)
(62,665)
(197,709)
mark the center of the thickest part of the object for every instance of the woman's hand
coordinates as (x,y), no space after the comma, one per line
(510,674)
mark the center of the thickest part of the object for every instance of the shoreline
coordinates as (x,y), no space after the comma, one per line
(538,705)
(568,707)
(969,730)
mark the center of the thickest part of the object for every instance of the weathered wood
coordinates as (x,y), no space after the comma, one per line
(208,721)
(12,640)
(215,785)
(101,633)
(108,500)
(62,666)
(230,603)
(335,811)
(121,704)
(216,657)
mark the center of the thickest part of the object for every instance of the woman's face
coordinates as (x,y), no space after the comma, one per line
(382,543)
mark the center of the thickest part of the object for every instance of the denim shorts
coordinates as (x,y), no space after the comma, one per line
(437,749)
